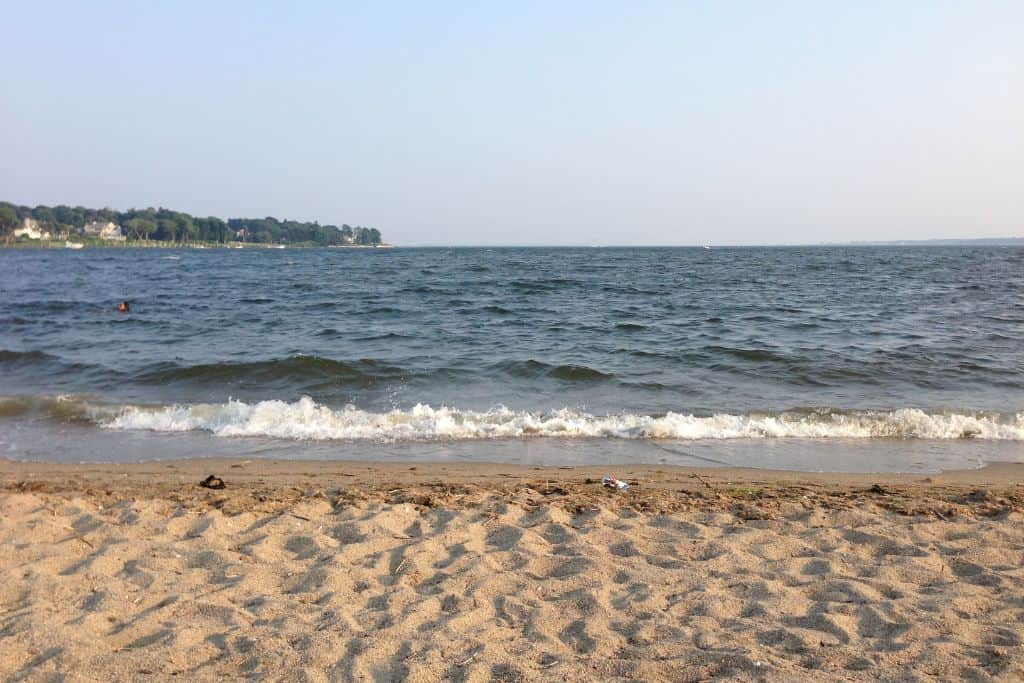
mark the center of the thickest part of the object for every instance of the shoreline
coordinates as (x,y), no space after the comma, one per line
(144,244)
(256,483)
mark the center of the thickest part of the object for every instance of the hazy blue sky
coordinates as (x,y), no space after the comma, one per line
(528,122)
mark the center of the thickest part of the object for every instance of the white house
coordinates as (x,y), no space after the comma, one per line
(30,229)
(105,231)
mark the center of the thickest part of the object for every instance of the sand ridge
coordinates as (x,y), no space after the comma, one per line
(506,586)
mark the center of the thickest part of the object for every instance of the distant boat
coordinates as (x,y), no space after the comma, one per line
(706,246)
(72,245)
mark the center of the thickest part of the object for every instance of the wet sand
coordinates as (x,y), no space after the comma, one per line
(361,571)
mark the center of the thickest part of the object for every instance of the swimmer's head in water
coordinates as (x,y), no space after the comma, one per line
(123,307)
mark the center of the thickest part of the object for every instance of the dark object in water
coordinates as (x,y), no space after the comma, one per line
(124,307)
(212,482)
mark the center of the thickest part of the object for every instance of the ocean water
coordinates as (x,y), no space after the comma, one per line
(848,359)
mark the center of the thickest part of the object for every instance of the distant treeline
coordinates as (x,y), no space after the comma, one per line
(175,226)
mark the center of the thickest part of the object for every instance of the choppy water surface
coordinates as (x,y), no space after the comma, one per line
(816,358)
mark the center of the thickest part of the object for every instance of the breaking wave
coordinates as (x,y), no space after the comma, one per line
(306,420)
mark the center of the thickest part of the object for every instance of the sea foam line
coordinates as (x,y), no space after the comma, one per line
(306,420)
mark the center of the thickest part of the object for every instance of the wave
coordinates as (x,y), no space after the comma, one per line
(753,355)
(384,335)
(542,284)
(27,357)
(567,372)
(284,370)
(68,408)
(34,362)
(306,420)
(17,320)
(38,307)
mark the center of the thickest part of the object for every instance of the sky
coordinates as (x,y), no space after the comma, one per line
(538,123)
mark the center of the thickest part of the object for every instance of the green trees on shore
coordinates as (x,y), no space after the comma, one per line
(174,226)
(8,219)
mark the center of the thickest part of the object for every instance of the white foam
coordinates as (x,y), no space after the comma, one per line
(304,419)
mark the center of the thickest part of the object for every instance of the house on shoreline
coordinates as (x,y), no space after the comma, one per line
(31,229)
(104,231)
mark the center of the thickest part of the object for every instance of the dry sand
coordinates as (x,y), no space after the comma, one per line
(356,571)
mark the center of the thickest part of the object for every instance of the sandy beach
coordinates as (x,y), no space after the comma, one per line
(359,571)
